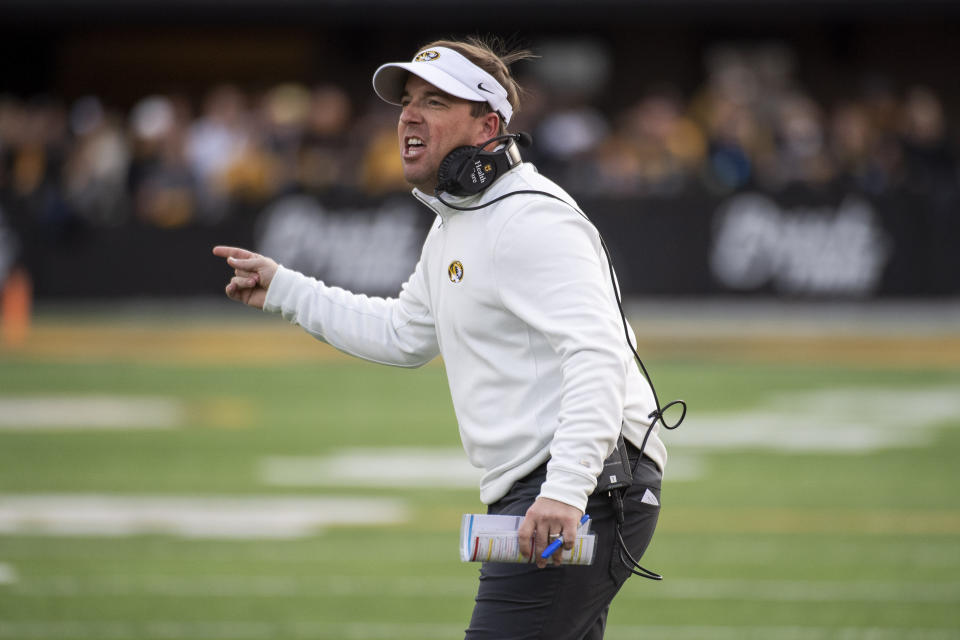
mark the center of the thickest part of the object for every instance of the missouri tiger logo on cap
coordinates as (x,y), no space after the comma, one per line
(455,271)
(426,56)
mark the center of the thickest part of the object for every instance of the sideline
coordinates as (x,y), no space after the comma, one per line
(894,334)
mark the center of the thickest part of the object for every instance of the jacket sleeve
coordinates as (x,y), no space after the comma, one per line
(552,274)
(395,331)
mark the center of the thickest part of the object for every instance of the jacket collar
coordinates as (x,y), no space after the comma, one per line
(499,187)
(443,210)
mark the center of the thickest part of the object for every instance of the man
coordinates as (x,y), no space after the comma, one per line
(514,290)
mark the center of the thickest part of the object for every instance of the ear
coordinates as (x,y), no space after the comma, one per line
(488,126)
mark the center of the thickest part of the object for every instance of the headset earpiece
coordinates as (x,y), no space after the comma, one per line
(468,170)
(448,174)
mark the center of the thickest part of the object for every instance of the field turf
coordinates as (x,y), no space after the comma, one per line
(756,541)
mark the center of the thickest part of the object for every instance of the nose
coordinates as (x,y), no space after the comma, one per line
(409,113)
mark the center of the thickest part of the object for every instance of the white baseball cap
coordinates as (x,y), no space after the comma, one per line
(447,70)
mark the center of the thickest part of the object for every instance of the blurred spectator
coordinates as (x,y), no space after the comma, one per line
(654,148)
(801,156)
(329,151)
(565,138)
(381,171)
(572,131)
(929,159)
(726,109)
(95,176)
(214,141)
(252,175)
(285,109)
(33,145)
(855,146)
(163,187)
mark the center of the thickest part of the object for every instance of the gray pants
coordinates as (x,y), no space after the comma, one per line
(522,602)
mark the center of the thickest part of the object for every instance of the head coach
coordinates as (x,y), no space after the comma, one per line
(514,289)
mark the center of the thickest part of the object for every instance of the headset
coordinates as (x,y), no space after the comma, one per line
(468,170)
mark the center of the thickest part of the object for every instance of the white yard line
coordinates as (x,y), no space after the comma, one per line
(840,421)
(404,468)
(845,421)
(191,517)
(8,574)
(247,586)
(58,412)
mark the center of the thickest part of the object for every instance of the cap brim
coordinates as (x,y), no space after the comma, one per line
(390,79)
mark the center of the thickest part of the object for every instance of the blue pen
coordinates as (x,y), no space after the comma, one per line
(553,546)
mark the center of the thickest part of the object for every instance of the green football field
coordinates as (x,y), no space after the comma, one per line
(196,480)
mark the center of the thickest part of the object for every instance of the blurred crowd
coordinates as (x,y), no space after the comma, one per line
(751,124)
(171,160)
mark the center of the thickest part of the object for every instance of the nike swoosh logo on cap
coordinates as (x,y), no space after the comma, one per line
(482,88)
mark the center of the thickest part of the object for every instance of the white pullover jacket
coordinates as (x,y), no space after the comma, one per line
(518,300)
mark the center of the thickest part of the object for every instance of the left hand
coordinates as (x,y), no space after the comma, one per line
(544,517)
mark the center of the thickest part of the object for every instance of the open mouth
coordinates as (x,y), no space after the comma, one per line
(413,145)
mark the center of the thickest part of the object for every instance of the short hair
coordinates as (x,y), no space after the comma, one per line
(491,55)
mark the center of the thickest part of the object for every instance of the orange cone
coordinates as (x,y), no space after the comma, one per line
(15,308)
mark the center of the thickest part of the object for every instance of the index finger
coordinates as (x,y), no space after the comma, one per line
(232,252)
